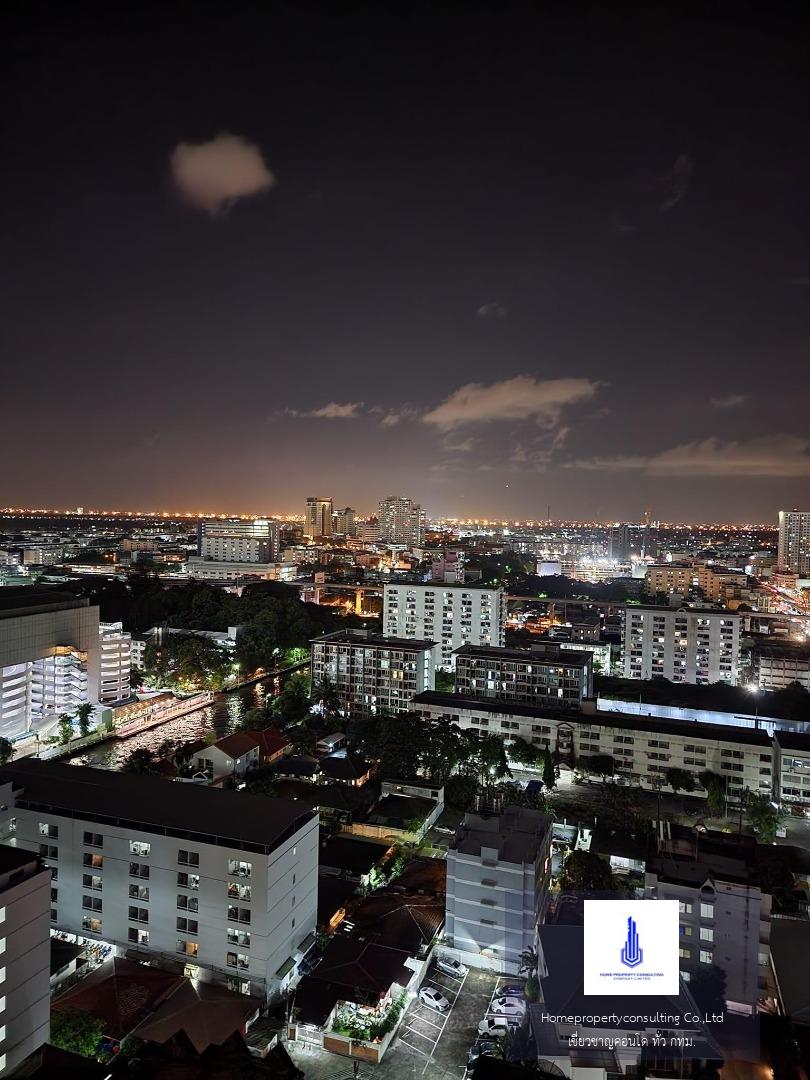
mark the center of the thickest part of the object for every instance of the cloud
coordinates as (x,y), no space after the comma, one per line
(213,175)
(494,309)
(463,446)
(520,398)
(768,455)
(391,417)
(677,183)
(335,410)
(731,401)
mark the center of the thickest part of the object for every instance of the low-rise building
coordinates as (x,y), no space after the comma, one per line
(498,869)
(218,570)
(546,674)
(792,784)
(778,665)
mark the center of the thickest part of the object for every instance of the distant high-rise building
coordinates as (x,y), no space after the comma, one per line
(318,517)
(239,541)
(344,523)
(620,543)
(401,521)
(794,541)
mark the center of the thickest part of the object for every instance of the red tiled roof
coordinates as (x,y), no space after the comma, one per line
(270,740)
(238,744)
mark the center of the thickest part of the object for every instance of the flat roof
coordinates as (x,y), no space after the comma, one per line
(364,640)
(696,729)
(516,833)
(441,586)
(792,740)
(32,599)
(538,654)
(150,804)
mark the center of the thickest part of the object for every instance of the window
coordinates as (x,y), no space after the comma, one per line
(188,858)
(188,881)
(51,831)
(238,937)
(188,926)
(187,903)
(685,954)
(96,862)
(705,956)
(139,892)
(138,847)
(91,881)
(707,911)
(706,933)
(139,870)
(188,948)
(138,914)
(138,936)
(91,903)
(93,839)
(686,931)
(48,851)
(237,868)
(91,924)
(237,960)
(238,914)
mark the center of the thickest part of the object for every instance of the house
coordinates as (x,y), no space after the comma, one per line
(412,921)
(301,766)
(343,768)
(273,744)
(330,743)
(232,756)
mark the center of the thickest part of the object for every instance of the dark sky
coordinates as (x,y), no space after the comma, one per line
(515,255)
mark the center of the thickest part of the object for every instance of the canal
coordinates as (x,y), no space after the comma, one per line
(222,716)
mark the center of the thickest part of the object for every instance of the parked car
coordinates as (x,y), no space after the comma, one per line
(429,995)
(512,991)
(451,967)
(481,1049)
(493,1028)
(508,1006)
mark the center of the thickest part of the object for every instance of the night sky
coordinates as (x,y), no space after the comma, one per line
(496,257)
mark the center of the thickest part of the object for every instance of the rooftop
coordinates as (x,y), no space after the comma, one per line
(352,854)
(516,834)
(150,804)
(441,586)
(31,600)
(366,639)
(548,652)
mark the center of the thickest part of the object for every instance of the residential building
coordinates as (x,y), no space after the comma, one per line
(239,541)
(42,554)
(318,517)
(115,663)
(714,582)
(369,531)
(344,522)
(49,657)
(401,521)
(25,955)
(448,566)
(792,782)
(642,748)
(453,615)
(620,542)
(545,674)
(686,644)
(778,665)
(498,870)
(209,570)
(159,869)
(371,672)
(794,541)
(231,756)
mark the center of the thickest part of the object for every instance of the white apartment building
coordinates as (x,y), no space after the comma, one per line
(221,880)
(116,663)
(685,644)
(498,870)
(401,521)
(371,672)
(453,615)
(25,956)
(210,570)
(794,542)
(50,651)
(239,541)
(545,674)
(792,767)
(642,747)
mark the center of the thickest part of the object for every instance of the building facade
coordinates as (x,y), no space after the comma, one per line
(25,963)
(344,522)
(166,870)
(544,675)
(401,521)
(453,615)
(115,664)
(318,517)
(498,870)
(794,542)
(239,541)
(371,672)
(208,570)
(685,644)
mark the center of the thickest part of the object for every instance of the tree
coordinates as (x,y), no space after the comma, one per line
(65,728)
(585,871)
(524,753)
(549,770)
(599,765)
(326,696)
(679,779)
(460,792)
(715,786)
(293,703)
(765,818)
(6,751)
(708,987)
(444,681)
(76,1030)
(83,714)
(141,761)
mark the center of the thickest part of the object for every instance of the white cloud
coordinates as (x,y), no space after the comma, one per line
(731,401)
(768,455)
(212,175)
(520,398)
(335,410)
(494,309)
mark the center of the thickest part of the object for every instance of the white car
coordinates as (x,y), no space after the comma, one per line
(429,995)
(451,967)
(493,1028)
(508,1006)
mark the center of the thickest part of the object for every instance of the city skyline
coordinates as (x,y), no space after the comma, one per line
(364,254)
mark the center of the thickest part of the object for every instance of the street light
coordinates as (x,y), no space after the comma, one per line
(752,688)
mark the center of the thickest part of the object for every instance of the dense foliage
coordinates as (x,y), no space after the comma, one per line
(75,1030)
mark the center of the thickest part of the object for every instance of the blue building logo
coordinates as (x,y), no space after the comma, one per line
(632,953)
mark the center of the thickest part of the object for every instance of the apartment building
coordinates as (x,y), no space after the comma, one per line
(792,766)
(115,663)
(239,541)
(498,869)
(219,880)
(371,672)
(778,665)
(318,517)
(713,581)
(642,748)
(211,570)
(794,542)
(401,521)
(453,615)
(686,644)
(25,956)
(545,674)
